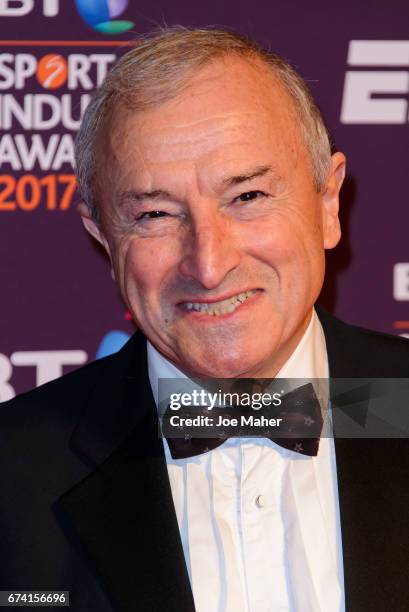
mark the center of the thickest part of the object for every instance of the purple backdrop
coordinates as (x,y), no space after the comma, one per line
(58,299)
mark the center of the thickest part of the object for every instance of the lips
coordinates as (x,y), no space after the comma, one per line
(219,308)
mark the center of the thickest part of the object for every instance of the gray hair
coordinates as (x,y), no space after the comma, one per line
(160,66)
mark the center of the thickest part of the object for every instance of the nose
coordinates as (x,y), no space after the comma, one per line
(211,251)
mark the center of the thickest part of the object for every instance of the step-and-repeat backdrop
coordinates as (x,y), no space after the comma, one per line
(59,306)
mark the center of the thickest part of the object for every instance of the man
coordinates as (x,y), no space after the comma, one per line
(207,176)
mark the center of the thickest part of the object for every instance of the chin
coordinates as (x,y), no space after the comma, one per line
(219,365)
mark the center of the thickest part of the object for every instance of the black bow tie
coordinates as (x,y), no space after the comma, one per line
(300,431)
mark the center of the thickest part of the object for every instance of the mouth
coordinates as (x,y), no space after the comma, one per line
(221,307)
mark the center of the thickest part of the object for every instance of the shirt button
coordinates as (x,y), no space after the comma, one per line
(261,501)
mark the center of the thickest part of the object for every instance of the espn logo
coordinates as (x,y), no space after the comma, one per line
(19,8)
(376,96)
(401,282)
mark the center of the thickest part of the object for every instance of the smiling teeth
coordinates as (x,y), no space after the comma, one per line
(222,307)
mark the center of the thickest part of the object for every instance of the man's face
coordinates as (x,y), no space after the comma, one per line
(213,225)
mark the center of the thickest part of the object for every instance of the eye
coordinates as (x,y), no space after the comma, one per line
(249,195)
(152,214)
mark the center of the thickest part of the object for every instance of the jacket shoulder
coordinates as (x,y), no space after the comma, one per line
(357,351)
(66,396)
(62,388)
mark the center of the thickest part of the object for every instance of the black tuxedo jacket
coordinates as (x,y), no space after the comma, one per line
(86,505)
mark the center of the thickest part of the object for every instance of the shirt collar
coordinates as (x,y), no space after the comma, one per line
(309,359)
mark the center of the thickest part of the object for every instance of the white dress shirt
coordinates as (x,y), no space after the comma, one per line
(260,524)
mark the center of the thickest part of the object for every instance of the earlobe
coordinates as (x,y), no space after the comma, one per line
(330,201)
(91,226)
(94,230)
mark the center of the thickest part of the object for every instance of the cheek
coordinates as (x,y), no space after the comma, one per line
(144,264)
(277,242)
(291,245)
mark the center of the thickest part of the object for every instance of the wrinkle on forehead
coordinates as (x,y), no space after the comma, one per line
(221,88)
(155,132)
(220,116)
(163,141)
(224,116)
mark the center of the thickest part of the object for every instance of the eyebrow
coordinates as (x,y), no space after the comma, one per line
(248,176)
(132,195)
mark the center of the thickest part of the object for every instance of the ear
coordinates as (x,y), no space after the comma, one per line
(94,230)
(330,201)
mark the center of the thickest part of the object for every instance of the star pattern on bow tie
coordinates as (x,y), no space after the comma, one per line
(300,409)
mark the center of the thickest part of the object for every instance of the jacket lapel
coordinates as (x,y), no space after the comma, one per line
(123,511)
(372,486)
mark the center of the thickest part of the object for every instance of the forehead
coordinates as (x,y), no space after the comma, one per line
(232,108)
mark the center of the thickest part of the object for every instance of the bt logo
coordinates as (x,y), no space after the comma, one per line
(99,14)
(373,95)
(50,364)
(19,8)
(112,342)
